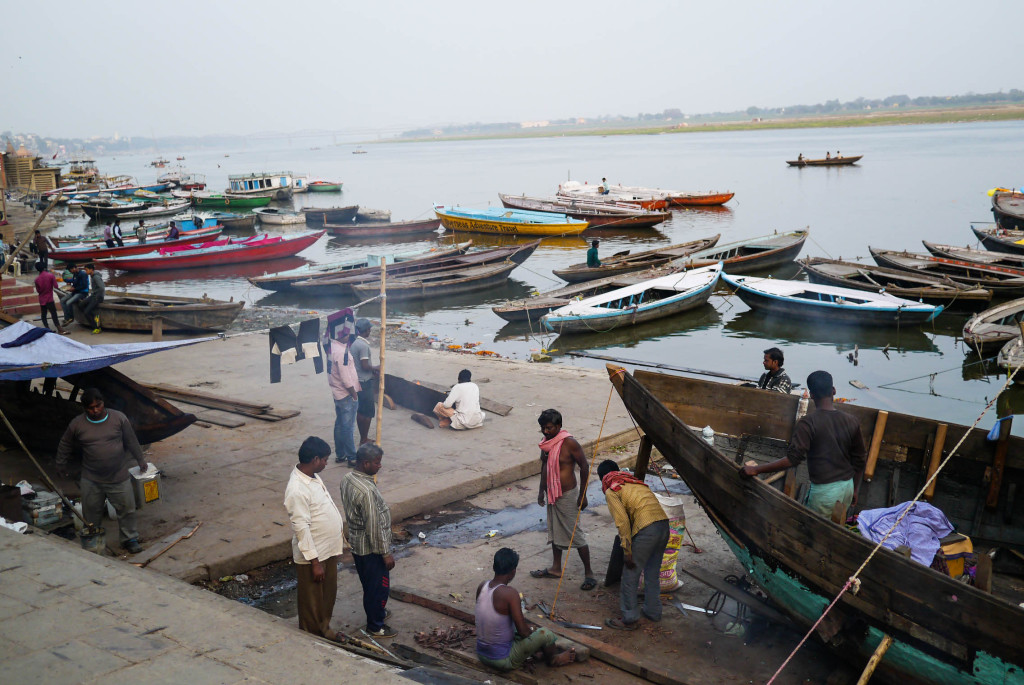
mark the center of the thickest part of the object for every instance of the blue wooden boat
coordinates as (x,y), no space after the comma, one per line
(945,631)
(645,301)
(837,305)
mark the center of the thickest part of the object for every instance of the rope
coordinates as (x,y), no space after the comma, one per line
(854,580)
(575,525)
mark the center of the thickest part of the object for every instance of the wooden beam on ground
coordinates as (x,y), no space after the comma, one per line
(756,604)
(146,556)
(609,654)
(204,399)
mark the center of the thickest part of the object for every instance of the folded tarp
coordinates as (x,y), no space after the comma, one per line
(921,529)
(54,355)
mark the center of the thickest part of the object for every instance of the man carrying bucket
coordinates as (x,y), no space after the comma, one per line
(107,441)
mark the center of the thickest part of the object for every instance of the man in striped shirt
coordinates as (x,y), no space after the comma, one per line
(369,536)
(643,534)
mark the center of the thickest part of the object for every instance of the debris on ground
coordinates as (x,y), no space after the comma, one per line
(452,637)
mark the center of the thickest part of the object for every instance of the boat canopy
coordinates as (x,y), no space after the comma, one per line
(51,355)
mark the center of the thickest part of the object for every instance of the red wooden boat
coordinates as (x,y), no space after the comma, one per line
(132,247)
(216,253)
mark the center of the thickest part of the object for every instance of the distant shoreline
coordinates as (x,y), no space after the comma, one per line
(887,118)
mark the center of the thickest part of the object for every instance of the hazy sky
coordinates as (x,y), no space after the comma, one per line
(214,67)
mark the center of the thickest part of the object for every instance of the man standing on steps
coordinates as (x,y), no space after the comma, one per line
(369,536)
(560,456)
(106,440)
(316,538)
(367,374)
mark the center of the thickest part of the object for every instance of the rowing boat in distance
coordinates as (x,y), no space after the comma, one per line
(872,278)
(595,214)
(1008,209)
(124,311)
(445,283)
(383,229)
(343,284)
(830,303)
(645,301)
(995,237)
(825,161)
(285,279)
(624,262)
(945,630)
(753,254)
(1003,282)
(508,221)
(989,330)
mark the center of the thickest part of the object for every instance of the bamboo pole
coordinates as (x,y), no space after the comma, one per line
(933,465)
(875,659)
(383,341)
(876,444)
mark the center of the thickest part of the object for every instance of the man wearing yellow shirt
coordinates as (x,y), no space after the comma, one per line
(643,534)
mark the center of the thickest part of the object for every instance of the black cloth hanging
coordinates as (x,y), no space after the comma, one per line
(282,348)
(308,344)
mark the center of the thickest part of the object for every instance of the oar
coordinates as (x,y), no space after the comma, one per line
(669,367)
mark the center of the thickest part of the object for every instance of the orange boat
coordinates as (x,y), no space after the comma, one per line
(699,199)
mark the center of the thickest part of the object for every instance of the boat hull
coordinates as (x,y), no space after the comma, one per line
(372,230)
(284,248)
(103,252)
(137,312)
(945,631)
(319,216)
(998,240)
(1008,210)
(700,199)
(579,273)
(595,216)
(745,256)
(317,187)
(441,284)
(469,224)
(834,161)
(233,201)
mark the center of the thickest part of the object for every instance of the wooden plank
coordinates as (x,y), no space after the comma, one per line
(609,654)
(192,396)
(999,463)
(875,659)
(933,463)
(470,661)
(643,458)
(485,404)
(146,556)
(876,444)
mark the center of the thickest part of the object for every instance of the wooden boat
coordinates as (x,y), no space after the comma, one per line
(277,185)
(675,198)
(216,253)
(136,312)
(508,221)
(370,276)
(828,302)
(753,254)
(110,208)
(321,216)
(283,280)
(1011,358)
(368,215)
(831,161)
(41,413)
(989,330)
(1000,280)
(624,263)
(386,229)
(1011,260)
(633,304)
(1008,210)
(594,214)
(584,191)
(945,631)
(995,237)
(440,283)
(156,210)
(279,217)
(205,199)
(903,284)
(324,187)
(131,247)
(234,222)
(533,308)
(300,184)
(154,233)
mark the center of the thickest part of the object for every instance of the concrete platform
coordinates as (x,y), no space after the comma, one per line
(69,616)
(232,480)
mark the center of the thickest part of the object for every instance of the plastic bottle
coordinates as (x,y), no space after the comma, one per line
(709,435)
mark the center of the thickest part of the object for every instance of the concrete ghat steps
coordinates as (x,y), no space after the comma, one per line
(18,298)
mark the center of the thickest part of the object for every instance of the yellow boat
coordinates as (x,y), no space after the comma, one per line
(508,221)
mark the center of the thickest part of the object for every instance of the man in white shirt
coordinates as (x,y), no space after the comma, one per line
(461,409)
(316,540)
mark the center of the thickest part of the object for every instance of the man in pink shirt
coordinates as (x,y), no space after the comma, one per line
(46,282)
(344,382)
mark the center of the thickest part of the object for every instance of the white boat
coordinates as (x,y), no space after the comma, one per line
(277,184)
(644,301)
(994,327)
(1011,358)
(300,183)
(272,215)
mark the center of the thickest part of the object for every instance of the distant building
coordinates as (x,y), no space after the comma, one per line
(534,124)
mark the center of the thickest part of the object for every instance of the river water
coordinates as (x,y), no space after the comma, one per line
(915,182)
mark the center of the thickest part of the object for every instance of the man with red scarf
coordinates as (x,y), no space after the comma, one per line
(643,534)
(560,456)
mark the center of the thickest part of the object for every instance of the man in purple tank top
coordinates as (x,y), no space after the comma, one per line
(503,638)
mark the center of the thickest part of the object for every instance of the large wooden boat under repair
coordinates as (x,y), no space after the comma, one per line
(944,631)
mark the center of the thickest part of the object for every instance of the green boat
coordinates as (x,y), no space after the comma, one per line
(233,201)
(324,187)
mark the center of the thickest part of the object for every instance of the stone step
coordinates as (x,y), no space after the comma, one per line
(15,300)
(21,309)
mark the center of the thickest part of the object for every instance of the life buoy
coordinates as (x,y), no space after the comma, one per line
(227,200)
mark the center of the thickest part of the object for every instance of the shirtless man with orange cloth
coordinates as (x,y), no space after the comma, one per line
(560,456)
